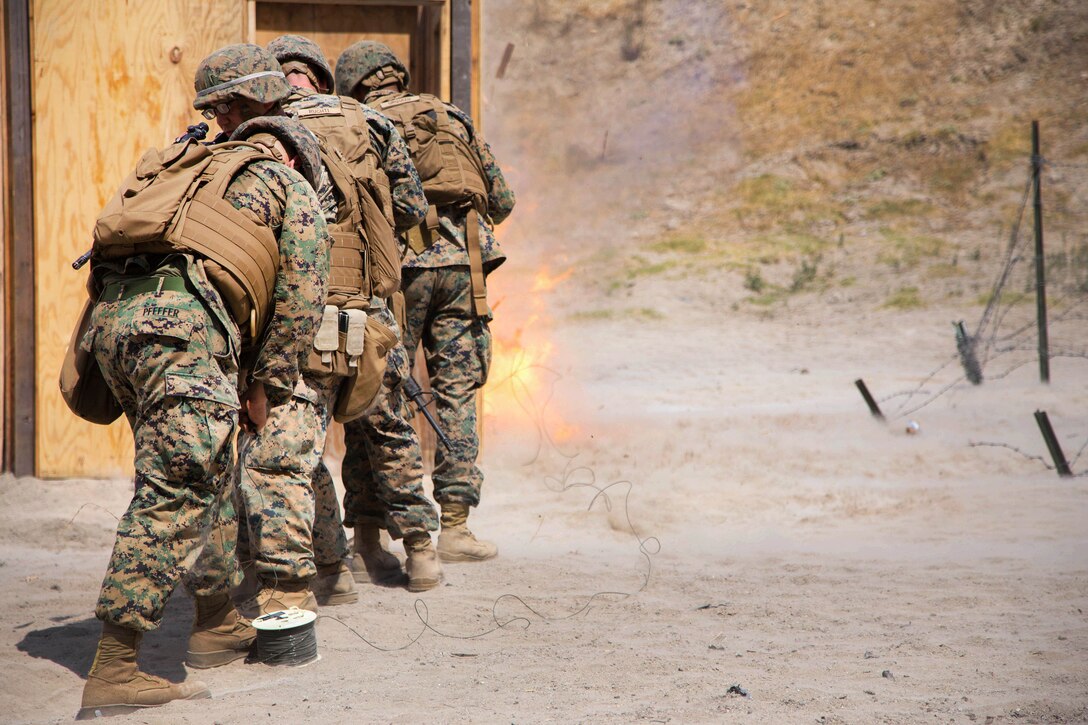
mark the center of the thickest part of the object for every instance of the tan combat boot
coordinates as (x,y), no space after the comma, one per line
(280,595)
(333,585)
(456,542)
(424,571)
(115,685)
(372,562)
(220,635)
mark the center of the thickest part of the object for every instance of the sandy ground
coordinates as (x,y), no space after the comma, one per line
(777,556)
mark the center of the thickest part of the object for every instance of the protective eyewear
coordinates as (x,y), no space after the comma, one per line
(221,109)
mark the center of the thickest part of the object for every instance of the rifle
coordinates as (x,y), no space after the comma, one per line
(413,391)
(198,132)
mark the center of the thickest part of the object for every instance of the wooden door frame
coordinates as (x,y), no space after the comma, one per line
(19,326)
(456,23)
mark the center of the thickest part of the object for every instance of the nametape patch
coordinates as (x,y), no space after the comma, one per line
(317,111)
(400,101)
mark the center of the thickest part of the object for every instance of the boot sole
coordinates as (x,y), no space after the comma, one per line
(208,660)
(448,557)
(333,600)
(424,585)
(97,711)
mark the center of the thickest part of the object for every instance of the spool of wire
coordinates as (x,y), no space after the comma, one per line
(287,637)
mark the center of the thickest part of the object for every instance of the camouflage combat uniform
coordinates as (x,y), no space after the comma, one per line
(278,463)
(383,465)
(169,352)
(394,498)
(456,343)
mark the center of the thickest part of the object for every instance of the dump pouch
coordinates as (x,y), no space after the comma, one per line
(359,392)
(82,385)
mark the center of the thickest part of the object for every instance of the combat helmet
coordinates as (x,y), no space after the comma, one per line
(370,63)
(239,71)
(266,130)
(296,53)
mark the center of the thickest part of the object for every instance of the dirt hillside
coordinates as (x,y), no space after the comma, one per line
(862,152)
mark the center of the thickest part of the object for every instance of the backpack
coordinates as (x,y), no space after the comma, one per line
(174,202)
(449,167)
(364,226)
(452,174)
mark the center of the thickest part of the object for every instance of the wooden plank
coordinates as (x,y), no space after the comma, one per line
(474,71)
(22,415)
(461,54)
(367,3)
(111,79)
(5,241)
(430,58)
(334,28)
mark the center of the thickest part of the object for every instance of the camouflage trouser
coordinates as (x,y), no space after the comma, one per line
(383,466)
(457,350)
(275,486)
(175,376)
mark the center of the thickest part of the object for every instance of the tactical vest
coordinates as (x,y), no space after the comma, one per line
(365,258)
(173,202)
(451,171)
(449,167)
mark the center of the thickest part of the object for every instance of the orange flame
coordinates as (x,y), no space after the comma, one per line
(544,282)
(521,378)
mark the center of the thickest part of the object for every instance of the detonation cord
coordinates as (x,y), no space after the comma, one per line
(572,477)
(294,646)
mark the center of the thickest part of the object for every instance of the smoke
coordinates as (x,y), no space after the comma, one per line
(602,111)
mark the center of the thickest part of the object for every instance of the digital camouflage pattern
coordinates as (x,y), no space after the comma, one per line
(296,138)
(281,199)
(457,350)
(275,493)
(406,189)
(361,62)
(219,76)
(383,464)
(298,49)
(395,498)
(171,359)
(449,247)
(169,365)
(274,486)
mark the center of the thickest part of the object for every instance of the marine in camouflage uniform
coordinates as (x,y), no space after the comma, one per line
(440,313)
(382,468)
(169,350)
(277,463)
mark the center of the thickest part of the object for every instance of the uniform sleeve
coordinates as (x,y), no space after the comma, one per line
(409,203)
(500,197)
(289,205)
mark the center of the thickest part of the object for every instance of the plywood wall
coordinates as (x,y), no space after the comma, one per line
(110,80)
(113,78)
(335,27)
